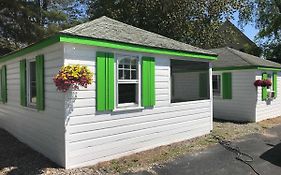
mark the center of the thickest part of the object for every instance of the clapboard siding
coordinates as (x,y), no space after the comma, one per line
(93,136)
(44,130)
(243,103)
(271,108)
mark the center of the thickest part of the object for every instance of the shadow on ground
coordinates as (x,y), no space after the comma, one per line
(273,155)
(18,159)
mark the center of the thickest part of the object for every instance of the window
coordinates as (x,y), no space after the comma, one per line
(217,85)
(128,81)
(31,83)
(189,81)
(270,77)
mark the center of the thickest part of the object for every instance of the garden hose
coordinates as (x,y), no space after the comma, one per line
(241,156)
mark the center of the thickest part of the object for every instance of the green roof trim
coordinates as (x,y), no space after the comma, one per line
(101,43)
(131,47)
(269,68)
(247,67)
(234,68)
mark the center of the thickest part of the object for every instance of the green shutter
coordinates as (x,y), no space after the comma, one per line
(264,89)
(40,90)
(203,85)
(148,82)
(23,82)
(227,85)
(104,81)
(275,82)
(4,84)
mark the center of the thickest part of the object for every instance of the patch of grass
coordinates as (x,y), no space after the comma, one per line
(160,155)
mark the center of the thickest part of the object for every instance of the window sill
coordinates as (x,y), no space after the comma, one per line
(217,97)
(188,102)
(128,109)
(31,108)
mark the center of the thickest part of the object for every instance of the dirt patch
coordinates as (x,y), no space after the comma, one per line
(270,122)
(17,158)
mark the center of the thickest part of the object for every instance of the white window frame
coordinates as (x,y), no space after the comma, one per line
(29,103)
(271,79)
(214,94)
(117,81)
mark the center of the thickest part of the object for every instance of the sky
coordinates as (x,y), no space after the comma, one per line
(249,30)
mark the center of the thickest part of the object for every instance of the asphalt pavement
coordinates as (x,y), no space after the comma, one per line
(216,160)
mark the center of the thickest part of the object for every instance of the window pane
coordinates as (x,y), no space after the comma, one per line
(32,82)
(216,85)
(121,75)
(127,93)
(185,80)
(127,74)
(134,75)
(133,67)
(129,67)
(215,82)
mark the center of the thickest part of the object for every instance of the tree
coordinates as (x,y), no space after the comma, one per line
(192,21)
(267,16)
(23,22)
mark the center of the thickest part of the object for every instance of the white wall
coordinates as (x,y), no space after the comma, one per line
(270,108)
(44,130)
(93,136)
(243,103)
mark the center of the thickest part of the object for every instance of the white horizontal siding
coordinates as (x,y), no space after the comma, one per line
(44,130)
(271,108)
(243,103)
(93,136)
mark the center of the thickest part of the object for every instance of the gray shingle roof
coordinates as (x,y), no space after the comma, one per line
(108,29)
(228,57)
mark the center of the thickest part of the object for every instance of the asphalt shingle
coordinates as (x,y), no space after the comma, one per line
(109,29)
(228,57)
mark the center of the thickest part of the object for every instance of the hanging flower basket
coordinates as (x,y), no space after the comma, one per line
(263,83)
(258,83)
(73,76)
(266,83)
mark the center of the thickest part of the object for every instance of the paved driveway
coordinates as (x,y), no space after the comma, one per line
(216,160)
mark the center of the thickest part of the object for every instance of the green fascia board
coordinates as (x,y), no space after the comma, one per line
(131,47)
(246,67)
(234,68)
(269,68)
(102,43)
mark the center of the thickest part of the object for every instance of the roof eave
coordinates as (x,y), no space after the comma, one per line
(67,38)
(264,68)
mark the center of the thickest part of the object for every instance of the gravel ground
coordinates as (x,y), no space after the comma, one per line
(18,159)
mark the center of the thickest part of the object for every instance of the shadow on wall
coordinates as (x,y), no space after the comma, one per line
(17,158)
(273,155)
(70,100)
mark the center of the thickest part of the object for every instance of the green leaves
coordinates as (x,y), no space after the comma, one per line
(27,21)
(195,22)
(266,14)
